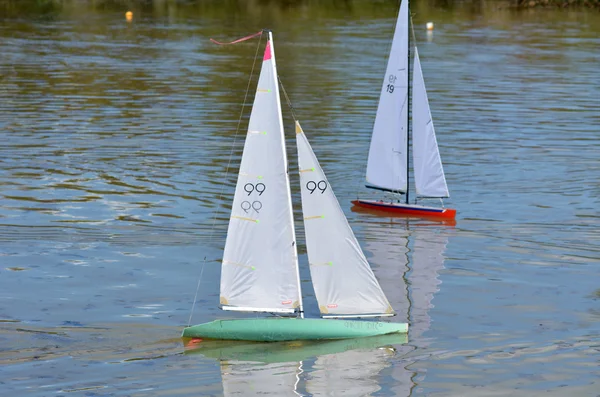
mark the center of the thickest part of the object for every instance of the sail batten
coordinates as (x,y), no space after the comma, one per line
(343,281)
(260,262)
(383,189)
(388,153)
(429,174)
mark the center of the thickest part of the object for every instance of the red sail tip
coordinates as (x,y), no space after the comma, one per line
(267,52)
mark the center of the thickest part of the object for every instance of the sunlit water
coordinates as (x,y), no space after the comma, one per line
(115,142)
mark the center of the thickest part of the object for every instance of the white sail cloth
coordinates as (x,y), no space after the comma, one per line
(260,264)
(429,173)
(388,153)
(342,278)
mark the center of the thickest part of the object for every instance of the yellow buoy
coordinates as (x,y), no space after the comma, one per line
(129,15)
(429,25)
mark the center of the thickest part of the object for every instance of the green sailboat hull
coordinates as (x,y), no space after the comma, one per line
(287,329)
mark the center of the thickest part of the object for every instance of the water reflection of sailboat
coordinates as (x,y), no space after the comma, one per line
(403,258)
(427,260)
(276,368)
(407,263)
(351,373)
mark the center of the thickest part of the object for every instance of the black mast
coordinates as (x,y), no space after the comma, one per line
(408,104)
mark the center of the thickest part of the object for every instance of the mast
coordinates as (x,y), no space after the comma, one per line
(408,104)
(287,181)
(260,259)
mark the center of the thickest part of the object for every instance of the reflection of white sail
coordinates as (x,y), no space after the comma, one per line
(351,373)
(387,242)
(426,262)
(243,378)
(388,245)
(338,367)
(400,257)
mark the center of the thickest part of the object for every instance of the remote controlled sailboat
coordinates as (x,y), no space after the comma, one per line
(260,262)
(387,167)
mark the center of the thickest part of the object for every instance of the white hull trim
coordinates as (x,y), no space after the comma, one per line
(357,315)
(257,309)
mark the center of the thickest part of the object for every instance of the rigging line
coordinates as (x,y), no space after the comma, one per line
(287,98)
(412,29)
(237,130)
(289,103)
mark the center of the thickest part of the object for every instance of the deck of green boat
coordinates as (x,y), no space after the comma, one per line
(286,329)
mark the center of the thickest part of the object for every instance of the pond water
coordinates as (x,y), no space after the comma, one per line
(115,189)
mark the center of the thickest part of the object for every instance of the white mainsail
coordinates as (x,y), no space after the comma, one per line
(429,174)
(344,283)
(388,157)
(260,262)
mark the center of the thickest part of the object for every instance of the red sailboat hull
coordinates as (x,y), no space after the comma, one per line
(407,209)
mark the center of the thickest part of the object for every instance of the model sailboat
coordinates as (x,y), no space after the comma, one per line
(387,167)
(260,263)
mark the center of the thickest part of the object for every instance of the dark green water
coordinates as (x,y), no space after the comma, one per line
(115,142)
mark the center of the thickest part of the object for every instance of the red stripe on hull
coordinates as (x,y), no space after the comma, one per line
(410,210)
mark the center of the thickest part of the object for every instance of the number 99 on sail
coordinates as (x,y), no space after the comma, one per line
(258,188)
(313,186)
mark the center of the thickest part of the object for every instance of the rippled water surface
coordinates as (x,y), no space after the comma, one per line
(116,139)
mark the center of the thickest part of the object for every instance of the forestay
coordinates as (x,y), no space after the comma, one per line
(342,278)
(429,174)
(387,164)
(260,264)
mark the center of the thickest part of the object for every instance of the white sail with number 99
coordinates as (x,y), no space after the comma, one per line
(344,283)
(260,262)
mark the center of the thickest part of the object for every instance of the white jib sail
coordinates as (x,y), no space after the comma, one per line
(388,154)
(260,262)
(343,280)
(429,174)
